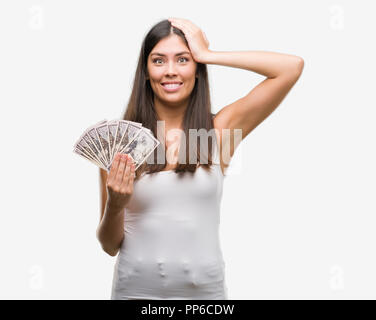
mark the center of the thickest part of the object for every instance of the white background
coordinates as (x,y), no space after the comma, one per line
(298,207)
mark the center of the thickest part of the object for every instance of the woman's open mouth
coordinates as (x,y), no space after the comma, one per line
(172,87)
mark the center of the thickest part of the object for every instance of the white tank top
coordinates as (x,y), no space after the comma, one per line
(171,247)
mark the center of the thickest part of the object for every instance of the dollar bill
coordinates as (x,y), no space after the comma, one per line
(93,149)
(83,155)
(113,127)
(133,129)
(101,141)
(141,146)
(84,148)
(102,133)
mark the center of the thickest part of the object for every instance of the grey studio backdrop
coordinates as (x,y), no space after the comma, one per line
(298,208)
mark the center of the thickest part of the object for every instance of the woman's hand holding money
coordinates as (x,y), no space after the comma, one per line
(120,181)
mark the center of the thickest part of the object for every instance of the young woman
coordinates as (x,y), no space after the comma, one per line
(163,219)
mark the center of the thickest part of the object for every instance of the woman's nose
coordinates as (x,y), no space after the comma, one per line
(171,69)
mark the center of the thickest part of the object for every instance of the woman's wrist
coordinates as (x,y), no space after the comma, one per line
(206,57)
(113,209)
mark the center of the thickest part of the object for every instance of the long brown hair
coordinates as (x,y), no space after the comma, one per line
(141,104)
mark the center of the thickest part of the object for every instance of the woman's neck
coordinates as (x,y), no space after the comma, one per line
(172,115)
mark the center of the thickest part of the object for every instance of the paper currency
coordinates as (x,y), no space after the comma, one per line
(100,142)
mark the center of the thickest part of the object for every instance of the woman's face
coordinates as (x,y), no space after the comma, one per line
(171,65)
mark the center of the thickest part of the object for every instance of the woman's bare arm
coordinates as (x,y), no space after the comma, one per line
(119,185)
(110,231)
(245,114)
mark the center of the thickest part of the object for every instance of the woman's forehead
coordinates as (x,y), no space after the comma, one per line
(170,46)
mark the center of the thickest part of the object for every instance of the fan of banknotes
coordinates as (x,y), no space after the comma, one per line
(101,141)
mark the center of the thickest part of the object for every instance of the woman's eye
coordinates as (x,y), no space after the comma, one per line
(158,59)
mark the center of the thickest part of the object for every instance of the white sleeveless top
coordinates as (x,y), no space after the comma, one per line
(171,247)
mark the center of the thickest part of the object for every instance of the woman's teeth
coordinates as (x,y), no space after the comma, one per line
(171,86)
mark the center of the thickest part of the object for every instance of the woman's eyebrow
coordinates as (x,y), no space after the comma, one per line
(163,55)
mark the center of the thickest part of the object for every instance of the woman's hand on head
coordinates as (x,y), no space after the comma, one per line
(197,41)
(120,181)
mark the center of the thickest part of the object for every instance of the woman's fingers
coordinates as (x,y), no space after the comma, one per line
(120,171)
(122,174)
(206,39)
(114,168)
(126,178)
(184,25)
(197,41)
(120,188)
(131,178)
